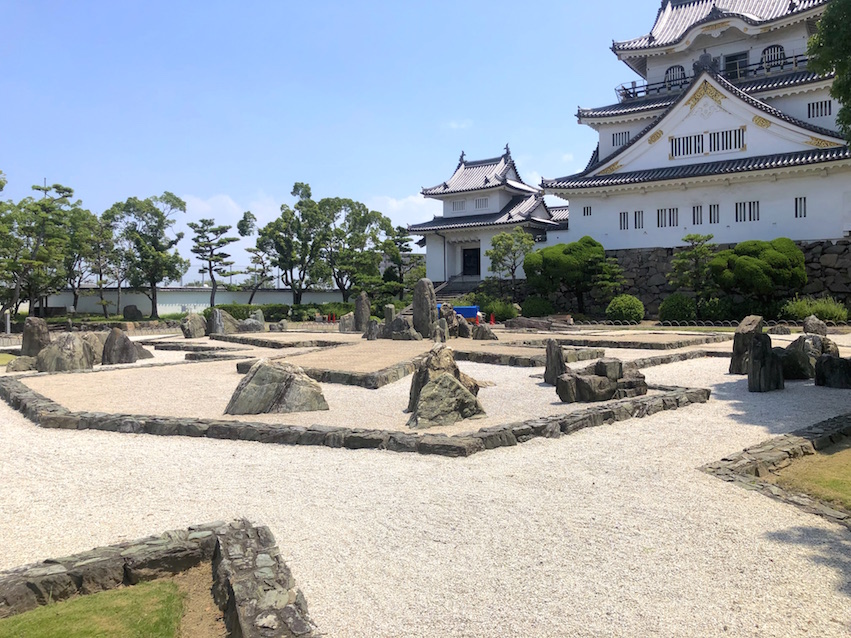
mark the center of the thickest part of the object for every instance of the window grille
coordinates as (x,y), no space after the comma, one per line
(624,221)
(675,76)
(773,56)
(586,211)
(619,139)
(800,207)
(822,108)
(459,206)
(639,219)
(686,145)
(714,213)
(731,140)
(481,202)
(696,215)
(747,211)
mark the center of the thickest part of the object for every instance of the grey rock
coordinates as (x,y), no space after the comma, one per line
(833,372)
(362,312)
(347,323)
(66,352)
(96,342)
(440,331)
(483,332)
(258,315)
(118,349)
(444,401)
(221,323)
(280,326)
(632,384)
(276,387)
(142,352)
(566,387)
(796,364)
(555,365)
(132,313)
(389,313)
(193,326)
(815,326)
(750,326)
(591,388)
(528,323)
(765,367)
(464,329)
(439,360)
(36,336)
(425,307)
(779,330)
(251,325)
(373,329)
(21,364)
(610,368)
(447,313)
(401,330)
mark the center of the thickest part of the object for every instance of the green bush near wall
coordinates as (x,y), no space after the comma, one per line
(625,308)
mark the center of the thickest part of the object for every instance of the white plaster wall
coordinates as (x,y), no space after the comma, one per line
(496,200)
(828,212)
(185,299)
(434,258)
(796,106)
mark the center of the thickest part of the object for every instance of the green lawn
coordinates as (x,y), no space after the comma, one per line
(147,610)
(6,358)
(825,475)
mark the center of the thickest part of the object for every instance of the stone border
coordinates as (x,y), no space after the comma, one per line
(368,380)
(251,584)
(187,347)
(571,355)
(48,414)
(634,345)
(260,342)
(748,467)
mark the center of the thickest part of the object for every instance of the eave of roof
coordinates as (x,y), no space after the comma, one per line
(517,211)
(480,175)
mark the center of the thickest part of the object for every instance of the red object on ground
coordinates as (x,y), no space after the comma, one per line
(477,319)
(493,319)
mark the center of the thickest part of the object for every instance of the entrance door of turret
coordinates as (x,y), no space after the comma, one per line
(472,263)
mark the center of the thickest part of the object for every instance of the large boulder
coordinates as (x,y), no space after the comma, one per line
(389,313)
(765,367)
(401,330)
(142,352)
(97,342)
(483,332)
(221,322)
(21,364)
(566,387)
(800,356)
(132,313)
(373,330)
(36,336)
(447,312)
(464,329)
(280,326)
(425,307)
(591,388)
(347,323)
(833,372)
(555,365)
(609,368)
(251,325)
(362,312)
(750,326)
(631,384)
(193,326)
(439,360)
(795,363)
(118,348)
(276,387)
(815,326)
(444,401)
(258,315)
(67,352)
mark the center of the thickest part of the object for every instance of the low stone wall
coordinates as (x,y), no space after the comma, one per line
(571,355)
(48,414)
(261,342)
(251,583)
(635,344)
(369,380)
(749,467)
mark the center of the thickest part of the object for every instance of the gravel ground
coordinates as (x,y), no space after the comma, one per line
(608,532)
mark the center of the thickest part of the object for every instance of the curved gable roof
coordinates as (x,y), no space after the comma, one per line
(481,174)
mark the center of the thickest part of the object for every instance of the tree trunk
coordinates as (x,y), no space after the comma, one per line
(346,294)
(76,294)
(580,302)
(213,286)
(118,297)
(154,313)
(297,293)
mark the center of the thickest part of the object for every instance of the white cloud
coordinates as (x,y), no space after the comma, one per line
(567,158)
(457,125)
(413,209)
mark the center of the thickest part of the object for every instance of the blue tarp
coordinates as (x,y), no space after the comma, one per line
(468,312)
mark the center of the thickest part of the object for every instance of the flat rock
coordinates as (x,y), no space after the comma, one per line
(609,368)
(142,352)
(21,364)
(251,325)
(276,387)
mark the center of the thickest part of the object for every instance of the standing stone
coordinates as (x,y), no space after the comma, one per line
(555,365)
(765,367)
(132,313)
(96,344)
(347,322)
(464,330)
(566,387)
(362,312)
(222,323)
(444,401)
(483,332)
(372,330)
(118,349)
(815,326)
(439,360)
(276,387)
(833,372)
(440,331)
(447,313)
(66,352)
(389,314)
(193,326)
(425,307)
(748,328)
(259,316)
(36,336)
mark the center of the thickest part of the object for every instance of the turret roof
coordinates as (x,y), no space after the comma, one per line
(481,175)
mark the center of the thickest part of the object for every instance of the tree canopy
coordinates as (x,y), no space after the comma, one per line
(761,269)
(690,269)
(507,252)
(208,244)
(830,51)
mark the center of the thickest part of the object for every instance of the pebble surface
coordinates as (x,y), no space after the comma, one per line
(612,531)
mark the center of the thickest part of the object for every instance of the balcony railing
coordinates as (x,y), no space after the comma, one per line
(637,90)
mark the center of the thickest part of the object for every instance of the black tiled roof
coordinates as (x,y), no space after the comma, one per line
(518,210)
(724,167)
(676,17)
(480,175)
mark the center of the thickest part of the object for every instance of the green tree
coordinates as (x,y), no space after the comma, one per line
(261,255)
(829,51)
(79,254)
(299,237)
(208,244)
(760,269)
(103,257)
(690,269)
(574,268)
(146,223)
(507,252)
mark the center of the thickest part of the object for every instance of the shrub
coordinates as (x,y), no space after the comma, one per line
(677,307)
(501,310)
(537,307)
(825,308)
(274,312)
(238,311)
(625,308)
(336,308)
(304,312)
(716,309)
(173,316)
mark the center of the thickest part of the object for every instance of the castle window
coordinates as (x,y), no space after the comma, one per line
(586,211)
(773,56)
(624,221)
(732,140)
(735,65)
(639,220)
(667,217)
(459,206)
(686,145)
(747,211)
(822,108)
(696,215)
(619,139)
(714,213)
(800,207)
(675,77)
(481,202)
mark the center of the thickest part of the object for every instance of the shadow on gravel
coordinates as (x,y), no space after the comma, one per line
(800,404)
(831,548)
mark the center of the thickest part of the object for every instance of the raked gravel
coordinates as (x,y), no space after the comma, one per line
(611,531)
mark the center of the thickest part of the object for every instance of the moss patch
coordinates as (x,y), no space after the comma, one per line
(5,358)
(825,475)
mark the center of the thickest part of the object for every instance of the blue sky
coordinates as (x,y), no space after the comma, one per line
(228,104)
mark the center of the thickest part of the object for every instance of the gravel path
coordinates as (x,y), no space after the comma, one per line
(608,532)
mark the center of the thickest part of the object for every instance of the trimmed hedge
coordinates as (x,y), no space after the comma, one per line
(537,307)
(625,308)
(677,307)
